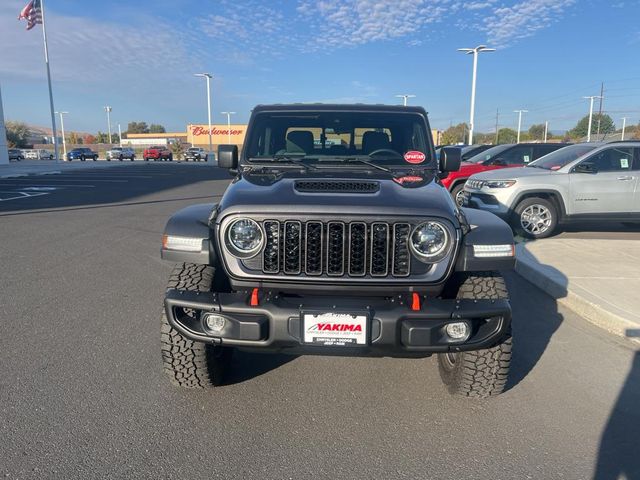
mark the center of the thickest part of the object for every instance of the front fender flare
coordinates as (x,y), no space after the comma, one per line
(192,222)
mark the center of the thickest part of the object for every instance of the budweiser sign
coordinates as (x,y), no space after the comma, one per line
(198,131)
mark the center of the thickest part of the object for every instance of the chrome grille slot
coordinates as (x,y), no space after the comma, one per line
(313,248)
(292,248)
(271,254)
(357,249)
(335,248)
(401,257)
(379,249)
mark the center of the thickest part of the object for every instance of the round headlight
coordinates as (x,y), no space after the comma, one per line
(245,236)
(429,240)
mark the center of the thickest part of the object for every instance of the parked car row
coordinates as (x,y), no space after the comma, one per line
(156,153)
(120,153)
(15,154)
(82,154)
(575,183)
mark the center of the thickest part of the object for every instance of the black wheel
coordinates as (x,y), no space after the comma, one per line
(535,218)
(457,193)
(171,158)
(191,364)
(120,158)
(133,157)
(145,159)
(82,159)
(108,159)
(95,157)
(480,373)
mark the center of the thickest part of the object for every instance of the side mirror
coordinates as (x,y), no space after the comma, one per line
(450,158)
(586,167)
(228,157)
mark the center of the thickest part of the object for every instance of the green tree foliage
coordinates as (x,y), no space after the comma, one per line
(74,139)
(455,134)
(507,135)
(536,132)
(155,128)
(606,126)
(137,127)
(88,139)
(17,134)
(177,148)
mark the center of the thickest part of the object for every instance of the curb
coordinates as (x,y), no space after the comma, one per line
(554,284)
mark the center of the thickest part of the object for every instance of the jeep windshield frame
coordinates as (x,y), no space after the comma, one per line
(341,138)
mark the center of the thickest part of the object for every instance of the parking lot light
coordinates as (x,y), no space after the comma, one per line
(475,52)
(208,76)
(64,141)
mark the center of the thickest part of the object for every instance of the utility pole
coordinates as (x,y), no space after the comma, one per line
(108,110)
(600,109)
(624,124)
(4,153)
(208,76)
(120,135)
(591,99)
(520,112)
(497,117)
(404,97)
(546,130)
(64,140)
(474,52)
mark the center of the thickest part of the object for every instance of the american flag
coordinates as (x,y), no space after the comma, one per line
(33,14)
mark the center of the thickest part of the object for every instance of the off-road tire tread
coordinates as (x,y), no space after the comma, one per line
(187,363)
(481,373)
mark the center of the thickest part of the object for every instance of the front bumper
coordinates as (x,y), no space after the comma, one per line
(487,202)
(395,328)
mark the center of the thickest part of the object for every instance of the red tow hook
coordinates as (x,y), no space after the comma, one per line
(415,304)
(254,298)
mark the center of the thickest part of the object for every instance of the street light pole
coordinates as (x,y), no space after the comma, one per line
(404,97)
(228,114)
(474,52)
(64,140)
(591,98)
(208,76)
(108,110)
(546,130)
(520,112)
(624,124)
(120,135)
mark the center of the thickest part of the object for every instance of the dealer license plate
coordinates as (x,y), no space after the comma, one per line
(334,329)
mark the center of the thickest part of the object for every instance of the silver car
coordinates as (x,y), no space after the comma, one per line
(120,153)
(587,181)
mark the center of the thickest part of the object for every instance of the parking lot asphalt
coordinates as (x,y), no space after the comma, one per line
(82,393)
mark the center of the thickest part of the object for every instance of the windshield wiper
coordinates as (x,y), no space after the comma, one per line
(366,162)
(288,158)
(537,166)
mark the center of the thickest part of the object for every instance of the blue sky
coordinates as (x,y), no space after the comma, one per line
(139,58)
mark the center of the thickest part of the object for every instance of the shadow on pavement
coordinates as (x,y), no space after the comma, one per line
(619,455)
(249,365)
(116,185)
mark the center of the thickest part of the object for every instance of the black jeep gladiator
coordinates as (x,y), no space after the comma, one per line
(337,237)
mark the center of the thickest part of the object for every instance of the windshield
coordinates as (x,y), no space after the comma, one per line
(558,159)
(383,138)
(488,154)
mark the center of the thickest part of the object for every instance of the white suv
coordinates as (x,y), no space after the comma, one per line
(588,181)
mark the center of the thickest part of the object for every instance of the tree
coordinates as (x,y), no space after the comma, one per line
(137,127)
(74,139)
(455,134)
(606,126)
(89,139)
(177,148)
(507,135)
(155,128)
(536,132)
(17,134)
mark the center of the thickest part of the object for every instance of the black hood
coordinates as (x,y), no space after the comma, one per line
(358,192)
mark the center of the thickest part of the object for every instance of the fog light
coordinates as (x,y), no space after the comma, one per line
(458,331)
(214,322)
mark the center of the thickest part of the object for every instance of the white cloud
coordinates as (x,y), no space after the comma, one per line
(508,24)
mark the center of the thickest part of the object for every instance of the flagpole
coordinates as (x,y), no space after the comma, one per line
(46,59)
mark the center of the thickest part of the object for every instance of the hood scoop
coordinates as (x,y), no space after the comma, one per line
(337,186)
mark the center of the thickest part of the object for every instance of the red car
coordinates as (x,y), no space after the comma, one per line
(157,153)
(500,156)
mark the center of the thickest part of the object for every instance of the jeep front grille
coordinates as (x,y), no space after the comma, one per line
(336,249)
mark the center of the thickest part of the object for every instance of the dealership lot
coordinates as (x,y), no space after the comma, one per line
(82,393)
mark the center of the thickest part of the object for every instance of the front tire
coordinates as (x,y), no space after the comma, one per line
(535,218)
(480,373)
(457,194)
(187,363)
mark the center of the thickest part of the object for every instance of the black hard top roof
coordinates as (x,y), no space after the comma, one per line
(355,107)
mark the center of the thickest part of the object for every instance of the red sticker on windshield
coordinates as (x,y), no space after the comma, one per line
(414,157)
